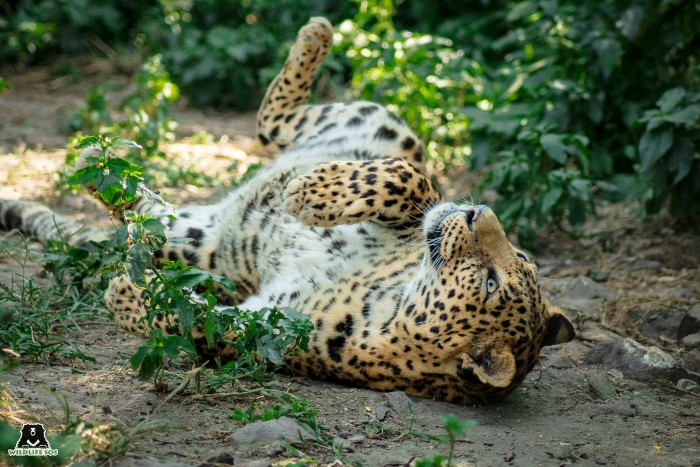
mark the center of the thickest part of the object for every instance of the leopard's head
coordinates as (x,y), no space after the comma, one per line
(475,310)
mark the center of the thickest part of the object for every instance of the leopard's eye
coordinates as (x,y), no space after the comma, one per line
(491,285)
(522,256)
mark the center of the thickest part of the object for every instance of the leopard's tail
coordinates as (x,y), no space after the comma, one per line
(39,221)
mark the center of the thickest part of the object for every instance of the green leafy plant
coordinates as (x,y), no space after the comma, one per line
(669,152)
(455,429)
(4,84)
(262,339)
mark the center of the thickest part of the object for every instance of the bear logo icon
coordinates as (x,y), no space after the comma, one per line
(33,436)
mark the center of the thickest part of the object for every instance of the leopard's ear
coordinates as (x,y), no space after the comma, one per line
(493,364)
(558,329)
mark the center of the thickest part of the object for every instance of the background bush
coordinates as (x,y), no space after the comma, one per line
(562,101)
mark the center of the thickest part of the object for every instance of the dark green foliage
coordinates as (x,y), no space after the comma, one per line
(34,30)
(549,94)
(221,52)
(556,98)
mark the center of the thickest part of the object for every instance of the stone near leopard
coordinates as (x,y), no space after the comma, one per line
(635,361)
(407,292)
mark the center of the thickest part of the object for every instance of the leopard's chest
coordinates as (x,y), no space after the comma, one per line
(341,266)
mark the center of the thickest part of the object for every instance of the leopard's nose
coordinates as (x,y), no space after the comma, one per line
(473,214)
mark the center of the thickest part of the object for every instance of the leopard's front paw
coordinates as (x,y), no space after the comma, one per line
(322,197)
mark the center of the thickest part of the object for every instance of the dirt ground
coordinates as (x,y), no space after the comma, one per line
(559,416)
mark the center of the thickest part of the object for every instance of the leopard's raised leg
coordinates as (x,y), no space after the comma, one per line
(390,192)
(283,114)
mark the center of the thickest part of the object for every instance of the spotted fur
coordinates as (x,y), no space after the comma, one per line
(406,291)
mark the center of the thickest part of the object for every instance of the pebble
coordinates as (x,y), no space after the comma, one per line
(691,360)
(691,341)
(579,294)
(688,385)
(380,412)
(664,322)
(600,386)
(220,459)
(598,275)
(262,434)
(635,361)
(399,402)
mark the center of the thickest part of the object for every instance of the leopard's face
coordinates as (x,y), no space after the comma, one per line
(477,310)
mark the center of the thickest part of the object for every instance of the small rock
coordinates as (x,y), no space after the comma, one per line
(261,434)
(356,439)
(688,385)
(399,402)
(691,341)
(641,265)
(690,323)
(635,361)
(600,386)
(380,412)
(598,275)
(345,443)
(509,457)
(665,322)
(220,459)
(106,409)
(579,294)
(691,361)
(695,313)
(610,409)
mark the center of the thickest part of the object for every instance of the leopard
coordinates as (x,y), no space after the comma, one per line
(406,290)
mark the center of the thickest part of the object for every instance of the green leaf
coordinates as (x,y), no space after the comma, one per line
(521,10)
(154,226)
(687,116)
(209,328)
(84,176)
(670,99)
(148,365)
(554,147)
(138,357)
(112,194)
(550,199)
(577,213)
(138,259)
(189,278)
(580,189)
(680,158)
(125,143)
(185,312)
(174,344)
(653,145)
(121,235)
(609,52)
(630,21)
(87,141)
(456,427)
